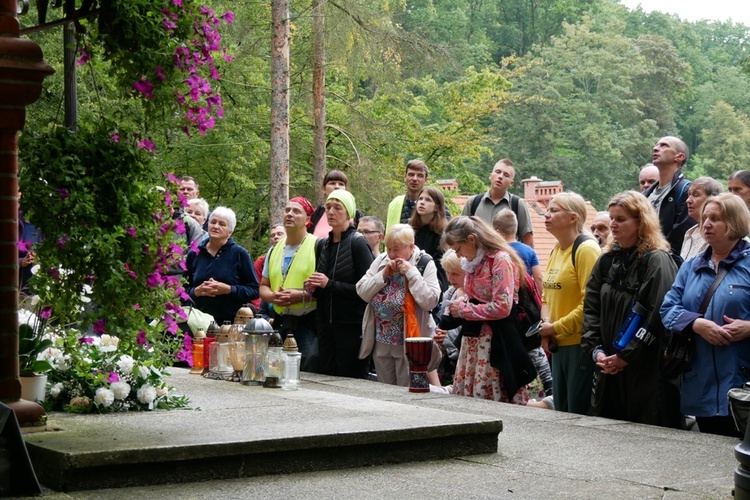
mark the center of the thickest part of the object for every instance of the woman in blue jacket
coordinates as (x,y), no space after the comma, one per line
(221,277)
(722,347)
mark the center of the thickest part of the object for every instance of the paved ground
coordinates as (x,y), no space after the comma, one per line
(541,453)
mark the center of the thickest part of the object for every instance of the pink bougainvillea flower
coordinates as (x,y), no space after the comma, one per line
(147,145)
(228,17)
(86,340)
(113,377)
(182,293)
(62,240)
(171,324)
(131,232)
(46,312)
(141,337)
(186,352)
(179,227)
(24,246)
(99,327)
(178,3)
(206,125)
(136,306)
(54,273)
(167,198)
(154,280)
(85,57)
(169,26)
(115,137)
(144,87)
(64,193)
(171,178)
(194,246)
(130,271)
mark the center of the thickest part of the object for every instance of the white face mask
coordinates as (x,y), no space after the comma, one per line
(470,265)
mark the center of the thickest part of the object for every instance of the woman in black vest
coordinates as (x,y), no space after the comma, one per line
(344,259)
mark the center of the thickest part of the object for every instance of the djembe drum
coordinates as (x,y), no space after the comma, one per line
(418,352)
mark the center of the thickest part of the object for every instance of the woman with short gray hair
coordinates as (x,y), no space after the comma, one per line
(220,273)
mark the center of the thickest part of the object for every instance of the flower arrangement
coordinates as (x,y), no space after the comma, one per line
(106,267)
(98,374)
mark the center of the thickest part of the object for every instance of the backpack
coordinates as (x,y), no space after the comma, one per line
(528,311)
(478,198)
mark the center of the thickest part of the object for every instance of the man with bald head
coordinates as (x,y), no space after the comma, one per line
(600,229)
(668,196)
(649,175)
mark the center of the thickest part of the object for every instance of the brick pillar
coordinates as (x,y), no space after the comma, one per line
(21,73)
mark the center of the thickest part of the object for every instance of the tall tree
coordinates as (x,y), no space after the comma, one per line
(279,110)
(319,103)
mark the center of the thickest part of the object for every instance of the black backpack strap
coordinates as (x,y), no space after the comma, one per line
(514,203)
(475,203)
(577,243)
(424,259)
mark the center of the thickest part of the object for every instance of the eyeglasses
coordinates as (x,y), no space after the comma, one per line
(367,232)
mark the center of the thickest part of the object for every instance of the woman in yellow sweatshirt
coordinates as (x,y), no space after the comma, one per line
(564,288)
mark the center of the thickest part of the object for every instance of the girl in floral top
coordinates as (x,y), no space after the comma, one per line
(492,363)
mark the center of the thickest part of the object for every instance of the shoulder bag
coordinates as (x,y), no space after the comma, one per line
(678,350)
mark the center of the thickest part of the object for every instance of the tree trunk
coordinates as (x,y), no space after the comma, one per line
(279,110)
(319,98)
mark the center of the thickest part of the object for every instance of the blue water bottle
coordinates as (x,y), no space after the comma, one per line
(630,327)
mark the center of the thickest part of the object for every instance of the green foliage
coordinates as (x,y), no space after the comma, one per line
(32,343)
(593,87)
(106,232)
(108,247)
(726,142)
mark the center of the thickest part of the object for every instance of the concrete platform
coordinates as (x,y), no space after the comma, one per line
(239,431)
(538,454)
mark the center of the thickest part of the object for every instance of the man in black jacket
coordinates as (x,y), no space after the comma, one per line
(669,195)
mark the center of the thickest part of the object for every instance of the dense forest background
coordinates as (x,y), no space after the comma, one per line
(571,90)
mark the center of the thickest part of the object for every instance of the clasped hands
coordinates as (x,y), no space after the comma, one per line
(610,365)
(733,330)
(212,288)
(286,297)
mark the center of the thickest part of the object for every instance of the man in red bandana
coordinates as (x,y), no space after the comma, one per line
(288,264)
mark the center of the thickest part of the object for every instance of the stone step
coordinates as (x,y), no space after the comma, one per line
(235,431)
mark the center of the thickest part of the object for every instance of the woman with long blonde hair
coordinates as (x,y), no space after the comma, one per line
(564,288)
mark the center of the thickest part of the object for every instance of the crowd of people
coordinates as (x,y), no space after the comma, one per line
(672,257)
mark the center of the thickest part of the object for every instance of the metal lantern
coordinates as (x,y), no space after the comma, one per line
(257,333)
